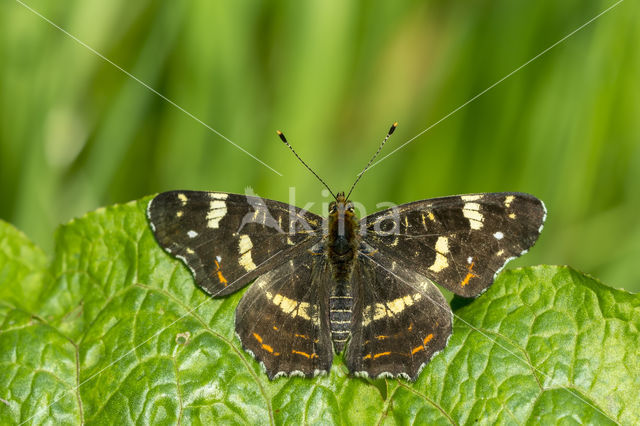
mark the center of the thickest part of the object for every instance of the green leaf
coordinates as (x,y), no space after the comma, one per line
(22,268)
(114,330)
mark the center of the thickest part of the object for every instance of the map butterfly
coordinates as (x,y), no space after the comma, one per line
(361,287)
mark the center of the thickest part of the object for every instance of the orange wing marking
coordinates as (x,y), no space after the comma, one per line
(221,277)
(304,354)
(469,275)
(270,349)
(417,349)
(378,355)
(266,347)
(424,342)
(427,339)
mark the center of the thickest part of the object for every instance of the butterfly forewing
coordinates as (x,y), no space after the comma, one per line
(400,319)
(282,319)
(227,240)
(459,242)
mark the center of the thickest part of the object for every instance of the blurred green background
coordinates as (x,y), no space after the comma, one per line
(76,133)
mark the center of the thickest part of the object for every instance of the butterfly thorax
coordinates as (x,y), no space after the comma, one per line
(343,239)
(342,244)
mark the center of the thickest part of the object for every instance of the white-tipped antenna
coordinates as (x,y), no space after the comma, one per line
(283,139)
(389,133)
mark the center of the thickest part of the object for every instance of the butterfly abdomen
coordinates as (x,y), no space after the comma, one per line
(342,260)
(340,304)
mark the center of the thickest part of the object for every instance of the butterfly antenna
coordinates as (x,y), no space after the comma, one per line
(283,139)
(389,133)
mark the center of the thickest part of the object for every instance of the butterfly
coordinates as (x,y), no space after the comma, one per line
(361,287)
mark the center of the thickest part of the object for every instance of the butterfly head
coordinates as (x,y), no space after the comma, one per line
(343,222)
(341,208)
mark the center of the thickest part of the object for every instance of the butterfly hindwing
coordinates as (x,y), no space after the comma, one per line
(400,320)
(227,240)
(283,319)
(459,242)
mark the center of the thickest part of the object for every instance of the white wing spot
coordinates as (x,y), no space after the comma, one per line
(396,306)
(442,248)
(508,200)
(498,235)
(303,310)
(179,213)
(287,305)
(244,244)
(218,205)
(471,212)
(379,311)
(183,199)
(244,248)
(192,234)
(291,307)
(442,245)
(366,315)
(217,210)
(470,197)
(218,196)
(469,260)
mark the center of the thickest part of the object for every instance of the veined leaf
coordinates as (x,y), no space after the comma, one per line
(114,330)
